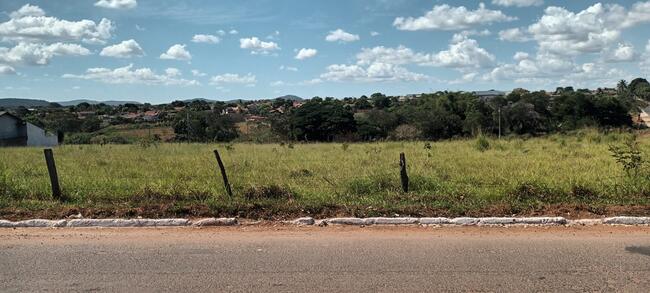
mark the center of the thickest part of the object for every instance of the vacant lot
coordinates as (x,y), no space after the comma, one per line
(553,175)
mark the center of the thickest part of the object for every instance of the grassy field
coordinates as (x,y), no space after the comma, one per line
(552,175)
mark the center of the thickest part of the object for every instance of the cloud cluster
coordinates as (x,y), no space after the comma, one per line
(341,36)
(36,54)
(125,49)
(177,52)
(29,23)
(445,17)
(257,46)
(131,75)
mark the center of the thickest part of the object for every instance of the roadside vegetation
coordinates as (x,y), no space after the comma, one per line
(586,171)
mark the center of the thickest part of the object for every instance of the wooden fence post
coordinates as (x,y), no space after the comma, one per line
(54,177)
(223,173)
(403,175)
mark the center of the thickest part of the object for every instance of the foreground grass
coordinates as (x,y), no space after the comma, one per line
(513,176)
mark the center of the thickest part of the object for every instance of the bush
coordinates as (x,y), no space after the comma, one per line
(628,156)
(482,143)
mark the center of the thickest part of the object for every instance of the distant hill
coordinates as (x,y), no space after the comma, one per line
(93,102)
(27,103)
(291,98)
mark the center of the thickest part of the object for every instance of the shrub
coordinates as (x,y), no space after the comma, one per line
(628,155)
(482,143)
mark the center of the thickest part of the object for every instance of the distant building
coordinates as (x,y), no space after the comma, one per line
(487,95)
(17,132)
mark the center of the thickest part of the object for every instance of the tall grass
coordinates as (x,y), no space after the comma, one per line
(448,174)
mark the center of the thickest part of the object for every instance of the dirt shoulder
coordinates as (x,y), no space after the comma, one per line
(277,213)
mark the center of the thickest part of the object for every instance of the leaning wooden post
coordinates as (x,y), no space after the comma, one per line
(54,177)
(223,173)
(403,175)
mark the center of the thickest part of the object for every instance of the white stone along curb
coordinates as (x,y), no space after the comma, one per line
(308,221)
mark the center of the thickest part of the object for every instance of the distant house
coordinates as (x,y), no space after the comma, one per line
(17,132)
(487,95)
(644,116)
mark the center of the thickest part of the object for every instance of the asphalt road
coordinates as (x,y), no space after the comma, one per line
(334,259)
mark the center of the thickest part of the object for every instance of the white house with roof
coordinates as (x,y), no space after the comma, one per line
(18,132)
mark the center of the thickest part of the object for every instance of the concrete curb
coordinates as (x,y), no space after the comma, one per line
(308,221)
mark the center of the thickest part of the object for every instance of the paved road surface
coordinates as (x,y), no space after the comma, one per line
(311,259)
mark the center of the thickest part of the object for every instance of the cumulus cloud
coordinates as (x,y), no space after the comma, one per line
(177,52)
(125,49)
(397,56)
(514,35)
(445,17)
(462,53)
(375,72)
(341,36)
(258,46)
(306,53)
(117,4)
(29,23)
(173,72)
(518,3)
(38,54)
(622,53)
(233,78)
(131,75)
(374,34)
(563,32)
(210,39)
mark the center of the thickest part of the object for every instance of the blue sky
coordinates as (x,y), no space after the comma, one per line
(158,50)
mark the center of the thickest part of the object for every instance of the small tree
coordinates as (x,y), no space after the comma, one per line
(628,156)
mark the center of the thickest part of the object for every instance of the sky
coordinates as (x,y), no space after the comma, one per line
(162,50)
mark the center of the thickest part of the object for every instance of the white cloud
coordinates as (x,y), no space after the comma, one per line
(198,73)
(553,70)
(445,17)
(117,4)
(374,34)
(306,53)
(622,53)
(173,72)
(375,72)
(514,35)
(27,10)
(130,75)
(6,70)
(462,53)
(645,64)
(233,32)
(518,3)
(397,56)
(221,33)
(233,78)
(210,39)
(341,36)
(29,23)
(258,46)
(288,68)
(599,26)
(38,54)
(125,49)
(176,52)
